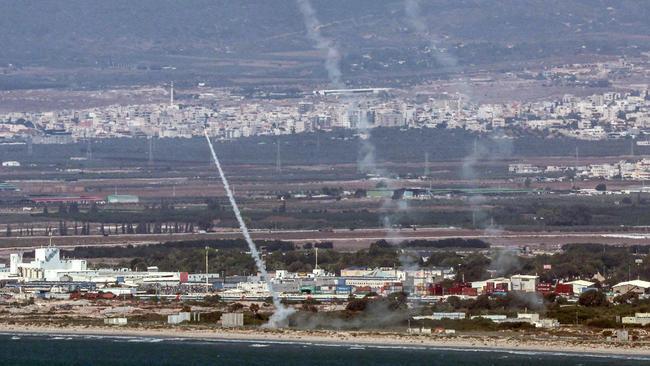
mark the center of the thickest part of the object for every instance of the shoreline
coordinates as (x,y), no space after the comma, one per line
(474,343)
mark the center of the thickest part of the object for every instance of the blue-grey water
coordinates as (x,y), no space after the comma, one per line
(51,350)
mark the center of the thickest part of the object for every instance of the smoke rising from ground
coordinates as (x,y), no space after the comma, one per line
(505,262)
(439,53)
(367,162)
(413,11)
(495,148)
(332,55)
(278,319)
(376,314)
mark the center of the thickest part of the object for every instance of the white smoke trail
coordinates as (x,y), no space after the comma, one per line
(281,312)
(332,55)
(367,162)
(413,13)
(440,54)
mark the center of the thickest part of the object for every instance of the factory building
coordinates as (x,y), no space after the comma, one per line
(524,283)
(122,198)
(47,265)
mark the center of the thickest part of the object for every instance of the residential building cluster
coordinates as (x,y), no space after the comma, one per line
(636,170)
(226,115)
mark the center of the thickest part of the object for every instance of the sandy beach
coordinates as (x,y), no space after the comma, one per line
(365,338)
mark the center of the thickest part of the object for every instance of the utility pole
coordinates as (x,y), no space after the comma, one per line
(317,148)
(207,283)
(316,248)
(427,171)
(278,162)
(30,147)
(150,138)
(89,149)
(426,164)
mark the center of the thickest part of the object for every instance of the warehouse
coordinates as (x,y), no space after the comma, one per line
(122,198)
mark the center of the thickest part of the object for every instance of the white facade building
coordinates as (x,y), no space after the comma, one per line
(47,265)
(525,283)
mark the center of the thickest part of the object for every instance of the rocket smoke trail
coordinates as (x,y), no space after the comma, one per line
(281,312)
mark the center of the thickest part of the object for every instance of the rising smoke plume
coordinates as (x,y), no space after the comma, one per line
(494,148)
(439,53)
(332,55)
(413,14)
(367,162)
(278,319)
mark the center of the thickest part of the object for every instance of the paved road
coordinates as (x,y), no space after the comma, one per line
(342,239)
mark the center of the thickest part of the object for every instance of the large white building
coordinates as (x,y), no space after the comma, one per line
(524,283)
(47,265)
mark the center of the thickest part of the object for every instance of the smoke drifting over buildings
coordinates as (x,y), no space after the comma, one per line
(367,162)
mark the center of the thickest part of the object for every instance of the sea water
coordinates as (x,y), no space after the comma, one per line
(35,349)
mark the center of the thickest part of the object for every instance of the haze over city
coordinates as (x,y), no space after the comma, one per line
(324,182)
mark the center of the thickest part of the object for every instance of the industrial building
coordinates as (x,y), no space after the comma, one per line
(636,286)
(524,283)
(326,92)
(231,320)
(47,265)
(122,198)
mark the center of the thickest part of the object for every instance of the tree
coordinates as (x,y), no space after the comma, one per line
(357,305)
(593,298)
(8,232)
(527,183)
(454,301)
(213,204)
(601,187)
(397,300)
(73,208)
(236,307)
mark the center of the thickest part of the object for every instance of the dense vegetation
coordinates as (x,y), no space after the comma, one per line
(617,263)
